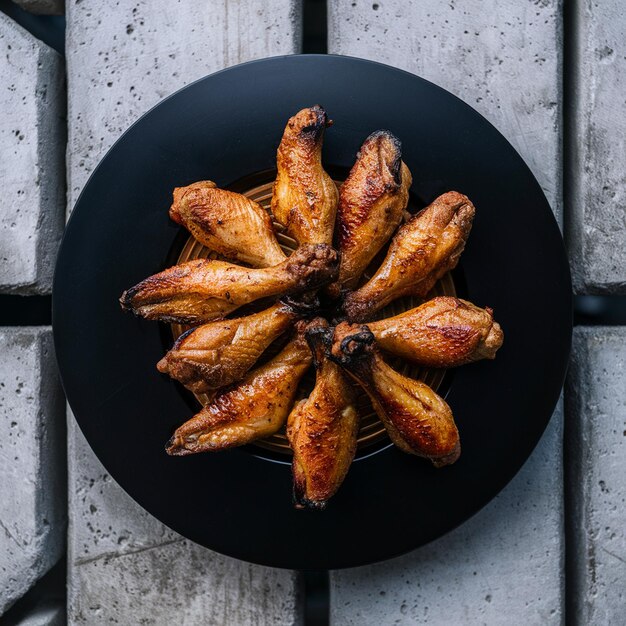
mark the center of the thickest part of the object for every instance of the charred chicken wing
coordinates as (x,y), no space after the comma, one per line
(219,353)
(423,250)
(322,429)
(443,332)
(304,198)
(228,223)
(256,407)
(372,201)
(203,290)
(417,419)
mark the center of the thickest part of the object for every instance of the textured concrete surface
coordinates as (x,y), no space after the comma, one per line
(597,178)
(31,160)
(124,565)
(42,7)
(504,566)
(502,58)
(32,506)
(596,440)
(122,62)
(104,521)
(505,60)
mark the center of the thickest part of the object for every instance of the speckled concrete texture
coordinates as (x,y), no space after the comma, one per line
(32,138)
(122,62)
(502,567)
(124,566)
(597,136)
(503,59)
(32,506)
(596,393)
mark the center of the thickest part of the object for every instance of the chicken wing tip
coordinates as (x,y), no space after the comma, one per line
(310,123)
(301,503)
(383,133)
(456,197)
(449,459)
(173,447)
(179,193)
(351,341)
(126,299)
(320,339)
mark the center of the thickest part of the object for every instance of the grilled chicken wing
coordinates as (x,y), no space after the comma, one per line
(203,290)
(423,250)
(304,198)
(322,429)
(443,332)
(228,223)
(254,408)
(372,201)
(417,419)
(219,353)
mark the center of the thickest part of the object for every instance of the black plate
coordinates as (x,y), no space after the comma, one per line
(226,126)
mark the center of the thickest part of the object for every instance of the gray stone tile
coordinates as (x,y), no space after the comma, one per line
(125,566)
(32,141)
(596,418)
(597,178)
(502,567)
(32,506)
(504,61)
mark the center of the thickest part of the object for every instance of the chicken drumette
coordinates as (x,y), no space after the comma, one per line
(372,201)
(322,429)
(219,353)
(256,407)
(443,332)
(228,223)
(423,250)
(417,420)
(304,198)
(204,290)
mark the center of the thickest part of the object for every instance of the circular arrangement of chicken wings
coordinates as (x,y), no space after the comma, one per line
(251,367)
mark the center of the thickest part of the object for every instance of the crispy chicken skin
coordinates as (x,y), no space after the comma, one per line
(219,353)
(372,201)
(322,429)
(423,250)
(417,419)
(443,332)
(254,408)
(228,223)
(203,290)
(304,198)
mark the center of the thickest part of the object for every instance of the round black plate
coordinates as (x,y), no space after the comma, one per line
(226,126)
